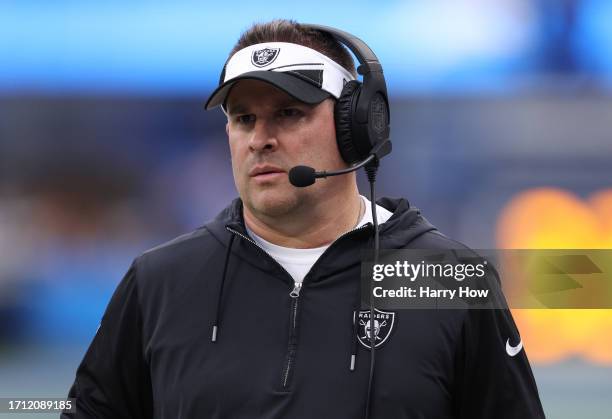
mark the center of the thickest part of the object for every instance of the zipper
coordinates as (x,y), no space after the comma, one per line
(292,347)
(295,296)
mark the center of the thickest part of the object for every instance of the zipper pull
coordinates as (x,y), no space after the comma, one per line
(295,292)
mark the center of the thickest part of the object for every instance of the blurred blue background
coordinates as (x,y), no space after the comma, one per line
(105,150)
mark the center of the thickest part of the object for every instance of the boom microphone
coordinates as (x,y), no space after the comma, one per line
(301,176)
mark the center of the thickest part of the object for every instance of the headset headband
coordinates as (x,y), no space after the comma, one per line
(362,51)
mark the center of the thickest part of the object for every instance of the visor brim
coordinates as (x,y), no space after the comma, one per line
(294,86)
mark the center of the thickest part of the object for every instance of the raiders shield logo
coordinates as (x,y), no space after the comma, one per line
(381,326)
(264,57)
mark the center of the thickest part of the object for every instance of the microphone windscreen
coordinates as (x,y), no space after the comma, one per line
(302,176)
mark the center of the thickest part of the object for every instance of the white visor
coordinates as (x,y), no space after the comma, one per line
(301,72)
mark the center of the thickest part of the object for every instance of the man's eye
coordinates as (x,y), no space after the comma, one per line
(289,112)
(245,119)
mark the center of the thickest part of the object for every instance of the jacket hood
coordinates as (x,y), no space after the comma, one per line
(404,226)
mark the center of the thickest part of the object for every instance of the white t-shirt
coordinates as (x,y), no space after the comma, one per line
(299,261)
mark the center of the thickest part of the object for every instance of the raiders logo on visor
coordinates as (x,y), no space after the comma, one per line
(264,57)
(381,326)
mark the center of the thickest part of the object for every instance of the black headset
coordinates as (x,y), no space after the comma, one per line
(362,110)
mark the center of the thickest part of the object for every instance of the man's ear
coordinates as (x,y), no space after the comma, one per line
(227,128)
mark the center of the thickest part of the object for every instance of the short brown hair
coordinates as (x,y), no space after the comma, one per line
(283,30)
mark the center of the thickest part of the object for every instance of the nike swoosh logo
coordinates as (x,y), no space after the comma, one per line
(513,350)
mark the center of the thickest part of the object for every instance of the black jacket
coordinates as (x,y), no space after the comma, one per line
(284,357)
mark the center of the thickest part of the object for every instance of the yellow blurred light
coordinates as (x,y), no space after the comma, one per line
(551,218)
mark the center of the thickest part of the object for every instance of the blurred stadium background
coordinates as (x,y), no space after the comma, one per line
(502,130)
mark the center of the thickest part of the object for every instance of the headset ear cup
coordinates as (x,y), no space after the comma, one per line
(343,115)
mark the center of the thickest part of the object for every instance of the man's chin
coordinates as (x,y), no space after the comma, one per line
(272,204)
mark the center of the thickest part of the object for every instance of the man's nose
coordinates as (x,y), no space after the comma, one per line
(263,136)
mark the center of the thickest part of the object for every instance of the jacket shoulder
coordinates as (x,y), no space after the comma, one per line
(179,253)
(189,263)
(434,239)
(196,238)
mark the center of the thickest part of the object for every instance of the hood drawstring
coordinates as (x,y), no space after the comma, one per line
(215,326)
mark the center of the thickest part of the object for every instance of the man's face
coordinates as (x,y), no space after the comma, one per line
(269,133)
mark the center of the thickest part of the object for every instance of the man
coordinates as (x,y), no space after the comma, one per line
(253,315)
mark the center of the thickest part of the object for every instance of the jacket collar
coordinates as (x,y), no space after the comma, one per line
(405,224)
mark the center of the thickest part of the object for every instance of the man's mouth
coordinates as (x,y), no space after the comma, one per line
(266,172)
